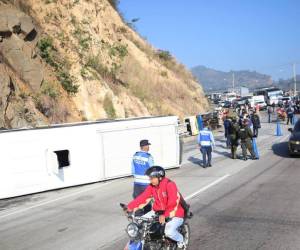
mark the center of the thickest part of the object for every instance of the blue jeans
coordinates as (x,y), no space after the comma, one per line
(171,229)
(206,152)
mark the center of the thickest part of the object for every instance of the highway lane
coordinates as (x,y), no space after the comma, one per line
(88,217)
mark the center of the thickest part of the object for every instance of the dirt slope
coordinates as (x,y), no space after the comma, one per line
(74,60)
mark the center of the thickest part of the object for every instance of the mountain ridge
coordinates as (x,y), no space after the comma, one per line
(213,80)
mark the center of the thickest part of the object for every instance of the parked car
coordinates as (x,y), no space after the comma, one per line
(294,141)
(227,104)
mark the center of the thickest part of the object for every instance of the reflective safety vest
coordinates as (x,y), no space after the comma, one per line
(140,163)
(205,137)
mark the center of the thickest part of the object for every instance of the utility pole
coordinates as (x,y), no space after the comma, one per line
(232,81)
(295,81)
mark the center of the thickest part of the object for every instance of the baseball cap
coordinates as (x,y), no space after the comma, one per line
(144,143)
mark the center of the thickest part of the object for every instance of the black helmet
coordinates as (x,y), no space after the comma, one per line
(156,171)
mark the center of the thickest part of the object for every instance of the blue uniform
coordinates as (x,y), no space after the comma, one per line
(140,163)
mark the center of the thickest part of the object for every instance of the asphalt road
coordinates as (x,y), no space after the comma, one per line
(239,205)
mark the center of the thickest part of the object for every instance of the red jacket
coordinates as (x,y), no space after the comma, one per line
(166,198)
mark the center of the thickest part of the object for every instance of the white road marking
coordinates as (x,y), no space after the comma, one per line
(206,187)
(51,201)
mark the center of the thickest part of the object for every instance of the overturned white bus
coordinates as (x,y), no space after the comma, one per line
(40,159)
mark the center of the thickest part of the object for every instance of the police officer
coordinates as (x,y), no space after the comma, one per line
(233,135)
(141,161)
(206,142)
(245,134)
(256,123)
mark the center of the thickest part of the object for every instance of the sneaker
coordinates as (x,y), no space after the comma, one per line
(209,165)
(181,245)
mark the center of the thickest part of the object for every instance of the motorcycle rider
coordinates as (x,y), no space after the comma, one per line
(167,203)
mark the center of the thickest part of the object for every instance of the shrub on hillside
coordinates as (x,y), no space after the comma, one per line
(164,55)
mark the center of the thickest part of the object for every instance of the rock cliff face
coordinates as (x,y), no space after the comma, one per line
(74,60)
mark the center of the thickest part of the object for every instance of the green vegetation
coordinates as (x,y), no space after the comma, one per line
(50,1)
(164,55)
(109,107)
(118,50)
(83,38)
(49,90)
(94,63)
(50,55)
(164,74)
(46,51)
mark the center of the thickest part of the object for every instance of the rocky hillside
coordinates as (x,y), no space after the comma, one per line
(76,60)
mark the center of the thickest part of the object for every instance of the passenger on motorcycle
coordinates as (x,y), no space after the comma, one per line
(166,199)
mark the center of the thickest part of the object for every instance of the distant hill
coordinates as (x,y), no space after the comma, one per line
(214,80)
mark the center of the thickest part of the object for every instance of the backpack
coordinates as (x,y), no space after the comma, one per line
(186,206)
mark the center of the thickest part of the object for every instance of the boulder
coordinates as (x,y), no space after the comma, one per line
(27,27)
(14,53)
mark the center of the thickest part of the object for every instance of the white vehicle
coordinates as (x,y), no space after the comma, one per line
(274,99)
(40,159)
(258,98)
(230,96)
(260,101)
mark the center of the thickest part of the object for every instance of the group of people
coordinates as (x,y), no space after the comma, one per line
(286,111)
(241,131)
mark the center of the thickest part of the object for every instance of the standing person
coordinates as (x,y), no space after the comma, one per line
(227,124)
(141,162)
(273,106)
(233,135)
(206,142)
(256,123)
(290,115)
(246,136)
(269,113)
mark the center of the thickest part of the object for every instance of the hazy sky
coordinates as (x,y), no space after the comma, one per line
(262,35)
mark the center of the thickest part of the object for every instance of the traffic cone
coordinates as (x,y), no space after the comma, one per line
(278,130)
(255,149)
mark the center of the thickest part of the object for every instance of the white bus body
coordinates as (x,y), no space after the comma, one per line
(35,160)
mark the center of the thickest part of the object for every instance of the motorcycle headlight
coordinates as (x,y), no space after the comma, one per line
(132,230)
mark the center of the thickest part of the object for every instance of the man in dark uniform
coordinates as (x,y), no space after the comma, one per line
(246,136)
(256,123)
(233,135)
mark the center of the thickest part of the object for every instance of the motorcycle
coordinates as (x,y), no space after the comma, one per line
(146,233)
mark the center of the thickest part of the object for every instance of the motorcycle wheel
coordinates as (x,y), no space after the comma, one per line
(186,234)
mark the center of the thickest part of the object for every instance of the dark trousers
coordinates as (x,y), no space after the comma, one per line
(289,119)
(247,144)
(269,117)
(233,151)
(206,152)
(255,131)
(137,190)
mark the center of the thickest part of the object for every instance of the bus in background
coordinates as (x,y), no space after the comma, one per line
(271,94)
